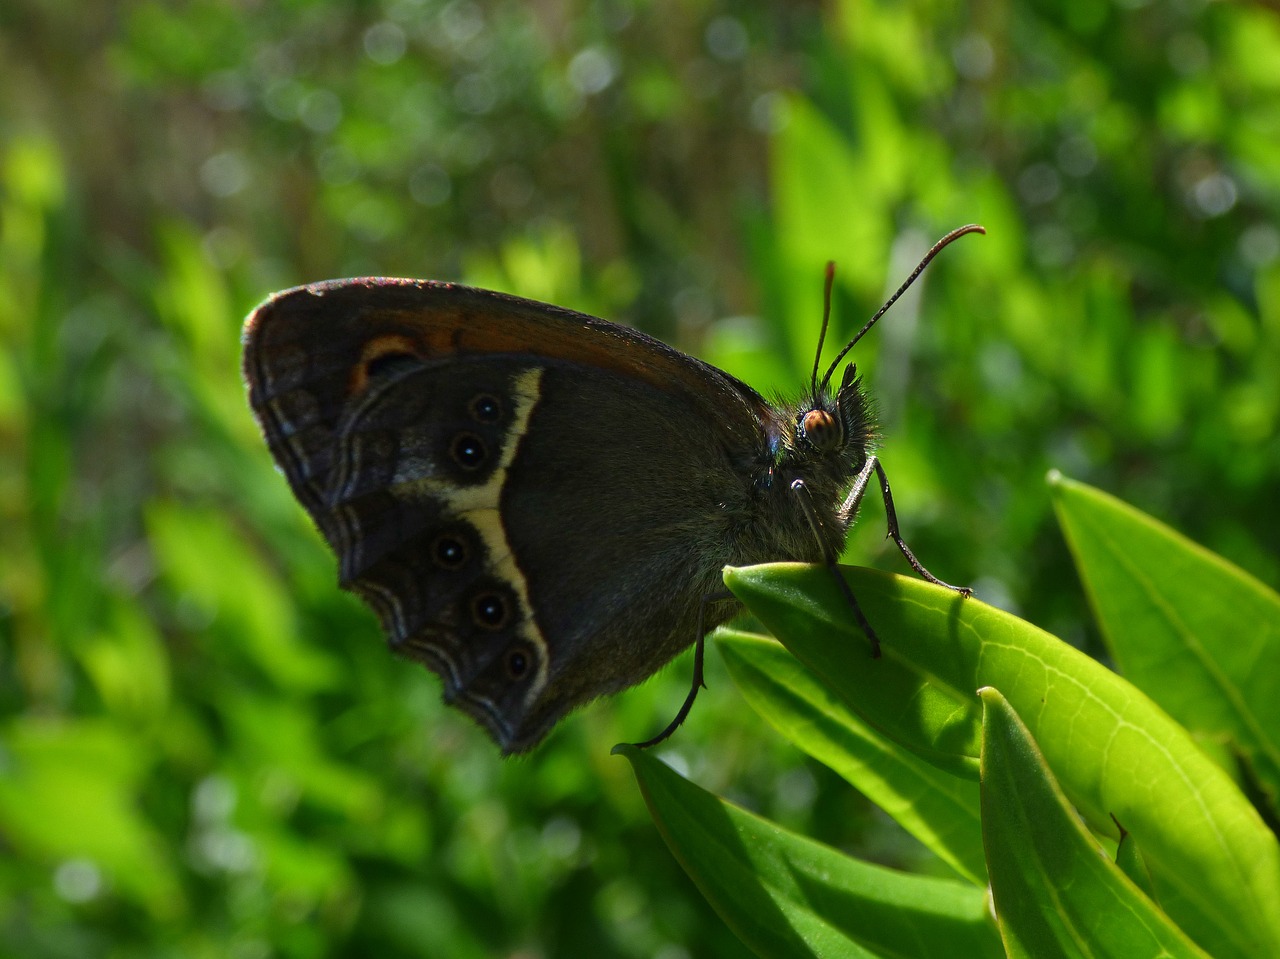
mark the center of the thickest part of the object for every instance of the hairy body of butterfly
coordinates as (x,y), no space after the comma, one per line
(534,502)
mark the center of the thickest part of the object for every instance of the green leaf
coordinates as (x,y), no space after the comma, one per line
(785,895)
(71,791)
(1130,862)
(1056,892)
(1198,635)
(202,558)
(1216,865)
(937,808)
(897,694)
(127,660)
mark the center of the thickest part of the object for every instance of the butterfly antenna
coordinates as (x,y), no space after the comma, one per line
(826,318)
(933,251)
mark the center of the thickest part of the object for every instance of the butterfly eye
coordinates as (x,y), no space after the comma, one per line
(490,610)
(468,451)
(821,429)
(449,551)
(486,408)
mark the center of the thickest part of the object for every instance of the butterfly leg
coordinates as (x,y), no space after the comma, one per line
(892,517)
(849,510)
(832,560)
(699,655)
(858,614)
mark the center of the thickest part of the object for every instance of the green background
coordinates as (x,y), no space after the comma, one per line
(205,749)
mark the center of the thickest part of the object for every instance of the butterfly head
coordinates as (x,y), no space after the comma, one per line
(828,423)
(839,428)
(828,433)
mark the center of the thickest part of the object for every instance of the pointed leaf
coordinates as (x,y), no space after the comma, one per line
(1201,637)
(1130,862)
(1056,893)
(785,895)
(1216,865)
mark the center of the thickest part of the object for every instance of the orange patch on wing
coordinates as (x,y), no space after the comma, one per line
(392,344)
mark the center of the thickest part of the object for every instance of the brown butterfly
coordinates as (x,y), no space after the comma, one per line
(538,504)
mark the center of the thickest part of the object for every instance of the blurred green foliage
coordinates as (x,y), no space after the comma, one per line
(204,748)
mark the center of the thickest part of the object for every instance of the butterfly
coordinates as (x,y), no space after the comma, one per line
(537,504)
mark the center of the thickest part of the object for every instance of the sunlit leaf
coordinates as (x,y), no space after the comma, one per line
(1056,892)
(1216,865)
(1201,637)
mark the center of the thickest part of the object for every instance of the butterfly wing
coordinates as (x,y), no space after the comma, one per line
(533,501)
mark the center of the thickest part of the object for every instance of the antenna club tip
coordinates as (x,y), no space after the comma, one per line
(831,269)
